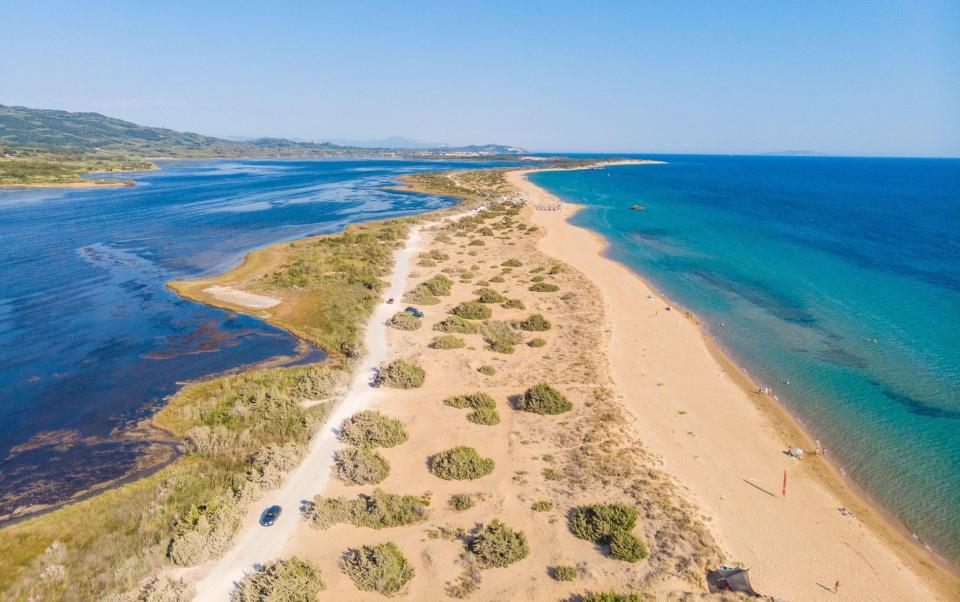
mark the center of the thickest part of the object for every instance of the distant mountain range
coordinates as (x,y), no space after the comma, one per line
(50,131)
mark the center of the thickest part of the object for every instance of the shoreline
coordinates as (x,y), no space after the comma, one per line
(894,534)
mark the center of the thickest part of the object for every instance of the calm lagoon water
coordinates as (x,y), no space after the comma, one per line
(91,341)
(834,281)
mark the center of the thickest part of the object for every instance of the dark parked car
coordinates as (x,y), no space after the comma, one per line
(270,516)
(413,311)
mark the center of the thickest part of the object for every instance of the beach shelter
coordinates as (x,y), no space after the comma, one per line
(730,579)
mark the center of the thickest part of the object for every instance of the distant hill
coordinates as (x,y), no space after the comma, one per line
(44,130)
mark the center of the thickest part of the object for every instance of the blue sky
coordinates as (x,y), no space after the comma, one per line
(864,78)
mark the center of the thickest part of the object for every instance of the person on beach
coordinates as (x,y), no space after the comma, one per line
(836,586)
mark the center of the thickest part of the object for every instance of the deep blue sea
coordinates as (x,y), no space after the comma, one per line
(835,281)
(91,341)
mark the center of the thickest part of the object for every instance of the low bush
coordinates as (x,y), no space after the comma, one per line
(555,270)
(435,255)
(461,502)
(512,263)
(472,310)
(537,342)
(403,320)
(438,285)
(534,323)
(448,341)
(488,295)
(291,580)
(381,568)
(541,506)
(544,287)
(514,304)
(401,374)
(497,545)
(598,522)
(457,325)
(625,546)
(476,243)
(377,511)
(370,428)
(537,270)
(537,279)
(500,336)
(552,474)
(360,466)
(158,589)
(460,463)
(564,572)
(485,416)
(497,279)
(487,370)
(544,399)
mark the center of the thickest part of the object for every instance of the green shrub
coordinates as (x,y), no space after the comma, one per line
(403,320)
(435,255)
(377,511)
(511,263)
(461,502)
(536,270)
(381,568)
(476,243)
(500,336)
(514,304)
(485,416)
(551,474)
(360,466)
(537,279)
(487,370)
(472,400)
(544,399)
(541,506)
(291,580)
(458,325)
(537,342)
(401,374)
(497,545)
(555,270)
(497,279)
(627,547)
(438,285)
(534,323)
(370,428)
(564,572)
(598,522)
(427,263)
(472,310)
(485,231)
(448,341)
(460,463)
(488,295)
(544,287)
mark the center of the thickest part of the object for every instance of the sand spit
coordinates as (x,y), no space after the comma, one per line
(237,297)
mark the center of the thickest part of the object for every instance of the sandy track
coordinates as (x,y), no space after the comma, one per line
(255,544)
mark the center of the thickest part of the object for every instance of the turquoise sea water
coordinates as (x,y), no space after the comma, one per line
(835,281)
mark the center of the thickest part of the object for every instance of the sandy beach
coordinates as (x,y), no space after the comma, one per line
(725,443)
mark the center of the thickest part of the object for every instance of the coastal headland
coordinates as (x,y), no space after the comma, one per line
(546,430)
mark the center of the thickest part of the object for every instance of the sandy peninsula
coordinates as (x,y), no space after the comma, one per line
(724,440)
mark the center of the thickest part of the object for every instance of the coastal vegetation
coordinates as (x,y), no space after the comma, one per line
(447,341)
(240,432)
(487,370)
(404,320)
(290,580)
(472,310)
(429,291)
(370,428)
(381,568)
(328,285)
(610,525)
(460,463)
(484,407)
(497,545)
(401,374)
(488,295)
(536,342)
(541,506)
(544,399)
(534,323)
(461,502)
(564,572)
(360,466)
(376,511)
(544,287)
(457,325)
